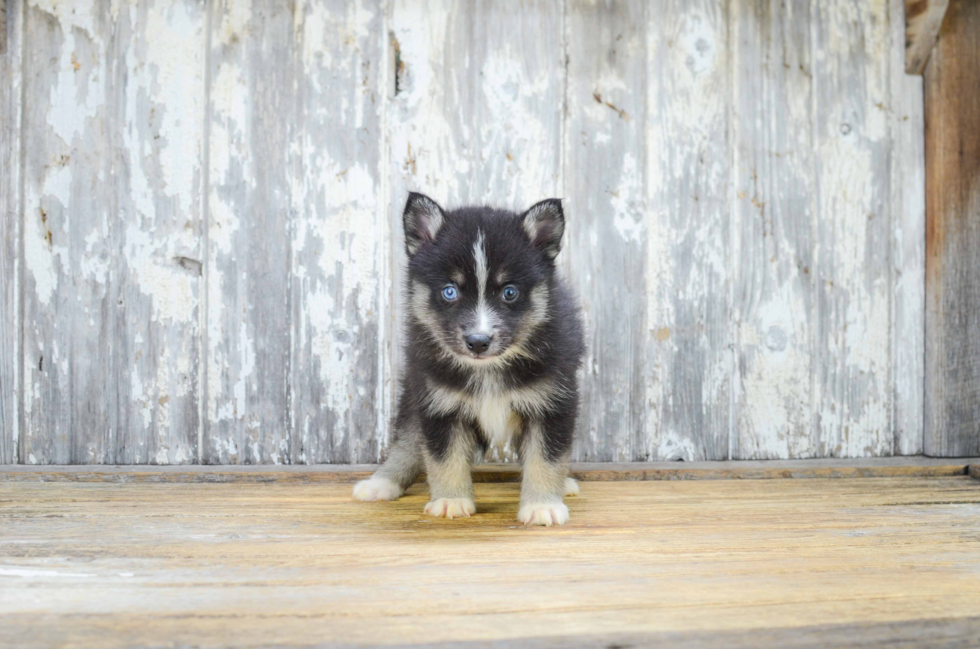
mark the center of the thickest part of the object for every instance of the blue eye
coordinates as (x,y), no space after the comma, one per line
(450,293)
(509,294)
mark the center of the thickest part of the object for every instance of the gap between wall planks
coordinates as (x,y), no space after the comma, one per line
(278,331)
(10,223)
(10,103)
(3,26)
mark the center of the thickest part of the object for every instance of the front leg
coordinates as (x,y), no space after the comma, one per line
(448,457)
(544,457)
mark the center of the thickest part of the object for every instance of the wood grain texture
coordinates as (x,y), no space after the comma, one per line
(852,261)
(10,209)
(340,245)
(212,262)
(475,116)
(289,564)
(923,19)
(952,393)
(111,231)
(253,105)
(792,349)
(298,252)
(605,168)
(686,368)
(70,228)
(908,214)
(158,78)
(938,633)
(773,230)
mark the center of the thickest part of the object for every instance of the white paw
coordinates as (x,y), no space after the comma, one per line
(451,507)
(543,514)
(376,489)
(571,487)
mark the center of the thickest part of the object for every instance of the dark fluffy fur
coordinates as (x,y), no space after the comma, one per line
(526,379)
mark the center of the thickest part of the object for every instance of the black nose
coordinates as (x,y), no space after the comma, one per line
(478,343)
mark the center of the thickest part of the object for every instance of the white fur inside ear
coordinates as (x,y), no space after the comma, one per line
(423,220)
(546,514)
(451,508)
(534,216)
(432,216)
(375,488)
(571,487)
(544,224)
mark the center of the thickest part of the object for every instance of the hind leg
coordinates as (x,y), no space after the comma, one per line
(571,487)
(397,474)
(403,464)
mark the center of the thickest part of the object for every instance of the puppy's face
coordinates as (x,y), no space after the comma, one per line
(479,277)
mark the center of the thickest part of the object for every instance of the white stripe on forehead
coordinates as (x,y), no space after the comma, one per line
(480,264)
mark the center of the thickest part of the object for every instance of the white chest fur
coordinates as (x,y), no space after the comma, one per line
(495,414)
(494,409)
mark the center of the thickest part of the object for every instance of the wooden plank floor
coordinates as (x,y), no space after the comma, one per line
(814,562)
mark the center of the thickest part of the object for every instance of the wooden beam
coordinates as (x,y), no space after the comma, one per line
(952,125)
(923,18)
(881,467)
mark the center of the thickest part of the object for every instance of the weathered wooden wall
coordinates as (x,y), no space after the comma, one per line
(201,248)
(952,398)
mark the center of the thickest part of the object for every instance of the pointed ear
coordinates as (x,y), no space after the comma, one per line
(423,218)
(544,224)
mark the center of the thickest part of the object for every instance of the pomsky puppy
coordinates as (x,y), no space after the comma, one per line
(494,340)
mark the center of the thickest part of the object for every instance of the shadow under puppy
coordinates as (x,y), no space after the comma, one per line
(494,340)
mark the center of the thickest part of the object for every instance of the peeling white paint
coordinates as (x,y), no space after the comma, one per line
(235,22)
(83,89)
(627,201)
(676,445)
(39,259)
(500,141)
(247,364)
(174,42)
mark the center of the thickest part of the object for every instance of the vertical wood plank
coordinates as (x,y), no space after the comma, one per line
(773,213)
(111,233)
(159,92)
(69,309)
(908,212)
(852,354)
(686,368)
(10,220)
(606,246)
(252,118)
(476,112)
(952,118)
(340,242)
